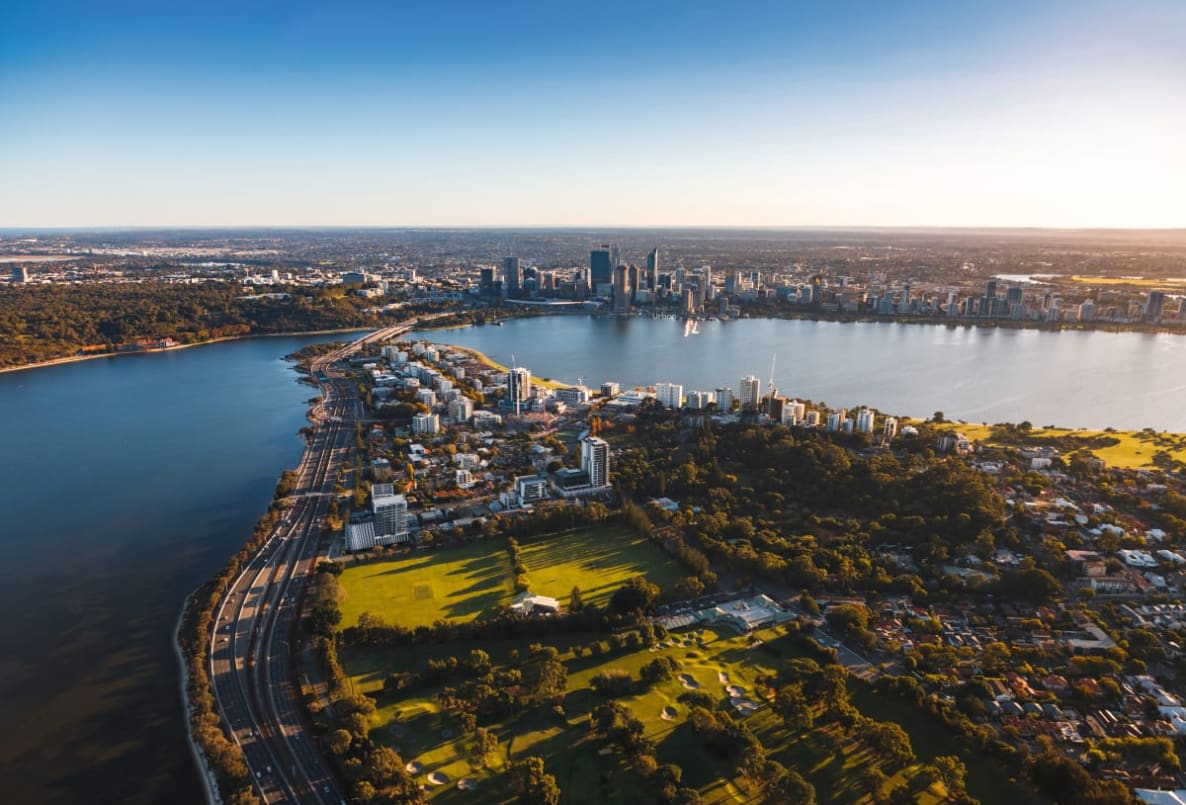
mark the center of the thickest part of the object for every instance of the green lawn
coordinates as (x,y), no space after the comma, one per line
(417,727)
(1123,449)
(598,559)
(473,580)
(460,583)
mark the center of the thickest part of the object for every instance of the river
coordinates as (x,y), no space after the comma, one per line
(125,483)
(1090,379)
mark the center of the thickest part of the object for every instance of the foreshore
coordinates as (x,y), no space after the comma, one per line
(485,359)
(78,358)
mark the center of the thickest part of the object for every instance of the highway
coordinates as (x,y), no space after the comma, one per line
(252,662)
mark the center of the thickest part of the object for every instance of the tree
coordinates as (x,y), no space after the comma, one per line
(575,602)
(339,741)
(952,772)
(890,740)
(531,783)
(793,707)
(636,594)
(484,744)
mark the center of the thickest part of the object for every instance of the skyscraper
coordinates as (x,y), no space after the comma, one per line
(750,393)
(653,269)
(518,387)
(512,275)
(486,283)
(1154,305)
(633,278)
(622,290)
(20,274)
(595,460)
(602,263)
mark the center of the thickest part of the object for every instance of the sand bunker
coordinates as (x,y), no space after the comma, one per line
(438,778)
(668,714)
(414,767)
(688,681)
(745,706)
(723,677)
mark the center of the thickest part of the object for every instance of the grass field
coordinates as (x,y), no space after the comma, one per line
(598,560)
(473,580)
(1123,449)
(836,764)
(460,583)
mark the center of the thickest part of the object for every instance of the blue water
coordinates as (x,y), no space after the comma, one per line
(125,483)
(1069,379)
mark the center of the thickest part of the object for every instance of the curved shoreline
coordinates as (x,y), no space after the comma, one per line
(204,770)
(79,358)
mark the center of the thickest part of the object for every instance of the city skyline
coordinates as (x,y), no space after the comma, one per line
(1018,115)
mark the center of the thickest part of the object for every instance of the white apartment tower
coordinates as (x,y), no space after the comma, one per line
(595,460)
(391,514)
(518,387)
(750,392)
(671,395)
(864,421)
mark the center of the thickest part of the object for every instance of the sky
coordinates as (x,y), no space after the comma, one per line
(687,113)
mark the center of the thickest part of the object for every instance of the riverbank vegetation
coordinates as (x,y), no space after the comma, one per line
(45,322)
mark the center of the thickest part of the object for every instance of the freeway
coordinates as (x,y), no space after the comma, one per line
(253,639)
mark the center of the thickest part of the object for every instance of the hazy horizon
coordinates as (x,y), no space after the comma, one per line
(673,115)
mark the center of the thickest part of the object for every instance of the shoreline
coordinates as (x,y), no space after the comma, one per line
(486,360)
(209,784)
(79,358)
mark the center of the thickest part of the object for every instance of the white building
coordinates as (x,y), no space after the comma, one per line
(360,536)
(461,409)
(530,488)
(573,395)
(864,421)
(751,392)
(595,460)
(724,398)
(836,419)
(391,514)
(464,478)
(671,395)
(426,423)
(611,389)
(890,429)
(699,400)
(426,397)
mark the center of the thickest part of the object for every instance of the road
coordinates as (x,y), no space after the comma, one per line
(252,651)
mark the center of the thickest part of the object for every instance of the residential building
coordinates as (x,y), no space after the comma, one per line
(426,423)
(836,419)
(461,409)
(724,398)
(864,421)
(518,387)
(890,429)
(360,536)
(391,514)
(670,395)
(595,460)
(610,389)
(750,393)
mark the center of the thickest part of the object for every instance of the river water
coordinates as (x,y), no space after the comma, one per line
(979,374)
(125,483)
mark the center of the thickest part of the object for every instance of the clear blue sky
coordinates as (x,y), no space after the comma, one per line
(555,113)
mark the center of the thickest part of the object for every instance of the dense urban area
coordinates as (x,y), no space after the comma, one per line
(530,591)
(80,294)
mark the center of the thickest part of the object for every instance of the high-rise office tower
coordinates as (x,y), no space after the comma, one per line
(653,269)
(1154,305)
(602,263)
(486,284)
(670,395)
(707,280)
(595,460)
(512,275)
(750,393)
(20,274)
(622,289)
(633,280)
